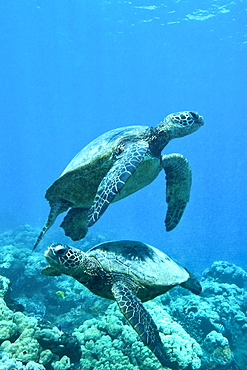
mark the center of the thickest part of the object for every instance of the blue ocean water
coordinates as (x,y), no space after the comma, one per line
(71,70)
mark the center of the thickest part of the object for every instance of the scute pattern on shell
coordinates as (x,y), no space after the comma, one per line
(140,261)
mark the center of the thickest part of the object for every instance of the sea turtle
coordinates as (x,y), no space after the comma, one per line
(117,164)
(129,272)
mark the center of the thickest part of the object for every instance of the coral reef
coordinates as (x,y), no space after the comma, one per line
(55,324)
(221,308)
(226,272)
(8,363)
(35,294)
(110,343)
(217,351)
(25,339)
(25,236)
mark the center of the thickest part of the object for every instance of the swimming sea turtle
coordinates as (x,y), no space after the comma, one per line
(129,272)
(117,164)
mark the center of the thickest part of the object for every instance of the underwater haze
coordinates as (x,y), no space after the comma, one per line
(72,70)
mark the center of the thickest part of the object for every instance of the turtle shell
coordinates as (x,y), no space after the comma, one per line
(79,181)
(148,266)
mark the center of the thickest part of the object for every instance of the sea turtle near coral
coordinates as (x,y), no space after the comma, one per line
(117,164)
(128,272)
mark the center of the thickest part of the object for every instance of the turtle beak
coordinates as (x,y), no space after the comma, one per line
(49,252)
(200,120)
(50,255)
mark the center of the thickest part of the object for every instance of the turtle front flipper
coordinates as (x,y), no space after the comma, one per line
(50,271)
(116,178)
(178,184)
(139,318)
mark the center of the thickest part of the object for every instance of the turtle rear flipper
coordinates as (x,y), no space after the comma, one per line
(139,318)
(116,178)
(178,184)
(192,284)
(75,223)
(56,209)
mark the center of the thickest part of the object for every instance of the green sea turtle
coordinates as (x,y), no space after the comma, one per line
(129,272)
(117,164)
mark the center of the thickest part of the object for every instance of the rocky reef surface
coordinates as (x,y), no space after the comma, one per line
(56,323)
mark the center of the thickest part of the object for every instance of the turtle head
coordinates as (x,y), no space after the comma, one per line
(63,259)
(180,124)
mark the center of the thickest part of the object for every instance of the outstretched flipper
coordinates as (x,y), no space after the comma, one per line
(134,311)
(56,209)
(116,178)
(178,184)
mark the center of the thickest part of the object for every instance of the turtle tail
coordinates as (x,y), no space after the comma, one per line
(54,212)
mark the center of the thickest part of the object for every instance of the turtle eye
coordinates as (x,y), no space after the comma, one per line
(194,115)
(60,250)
